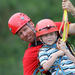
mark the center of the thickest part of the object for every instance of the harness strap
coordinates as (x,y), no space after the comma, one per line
(38,69)
(35,71)
(59,67)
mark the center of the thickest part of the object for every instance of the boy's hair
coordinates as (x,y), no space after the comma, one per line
(71,48)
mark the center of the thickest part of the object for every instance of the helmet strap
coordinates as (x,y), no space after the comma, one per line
(42,41)
(35,39)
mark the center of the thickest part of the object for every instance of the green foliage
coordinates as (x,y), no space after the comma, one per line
(11,47)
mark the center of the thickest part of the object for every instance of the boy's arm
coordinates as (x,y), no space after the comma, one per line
(51,60)
(62,46)
(71,57)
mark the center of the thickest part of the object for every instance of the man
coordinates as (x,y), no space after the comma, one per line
(66,4)
(21,24)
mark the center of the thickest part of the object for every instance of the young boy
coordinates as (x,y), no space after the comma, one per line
(57,61)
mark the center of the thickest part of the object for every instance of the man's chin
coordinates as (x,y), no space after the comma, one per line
(30,41)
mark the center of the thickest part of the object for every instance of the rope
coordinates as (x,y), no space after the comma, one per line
(66,26)
(35,39)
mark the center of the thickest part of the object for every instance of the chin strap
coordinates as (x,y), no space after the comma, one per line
(34,33)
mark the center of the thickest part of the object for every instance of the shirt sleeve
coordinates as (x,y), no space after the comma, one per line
(43,57)
(58,24)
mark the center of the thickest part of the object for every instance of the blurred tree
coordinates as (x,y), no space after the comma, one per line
(11,47)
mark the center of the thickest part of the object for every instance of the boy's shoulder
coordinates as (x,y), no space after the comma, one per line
(47,47)
(44,48)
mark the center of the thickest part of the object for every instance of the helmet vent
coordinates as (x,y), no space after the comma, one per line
(22,18)
(10,29)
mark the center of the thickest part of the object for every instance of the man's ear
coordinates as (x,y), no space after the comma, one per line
(32,24)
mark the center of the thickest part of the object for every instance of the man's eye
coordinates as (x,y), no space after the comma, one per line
(20,33)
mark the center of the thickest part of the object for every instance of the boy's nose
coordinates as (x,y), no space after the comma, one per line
(24,34)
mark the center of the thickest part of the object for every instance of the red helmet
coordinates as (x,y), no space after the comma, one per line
(17,21)
(45,26)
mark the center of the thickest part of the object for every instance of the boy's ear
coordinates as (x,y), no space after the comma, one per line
(40,39)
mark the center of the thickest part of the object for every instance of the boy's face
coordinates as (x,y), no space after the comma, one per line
(26,33)
(49,39)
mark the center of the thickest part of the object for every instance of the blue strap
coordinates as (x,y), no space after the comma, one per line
(38,69)
(35,71)
(60,67)
(57,71)
(41,70)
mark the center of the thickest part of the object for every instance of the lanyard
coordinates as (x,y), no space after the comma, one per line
(66,26)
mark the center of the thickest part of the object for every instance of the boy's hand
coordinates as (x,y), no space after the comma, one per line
(66,4)
(62,46)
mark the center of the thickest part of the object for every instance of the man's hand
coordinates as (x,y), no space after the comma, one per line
(66,4)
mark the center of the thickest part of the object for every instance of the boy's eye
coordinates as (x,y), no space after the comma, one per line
(45,35)
(51,33)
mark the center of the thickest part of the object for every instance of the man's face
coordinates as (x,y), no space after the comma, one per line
(26,33)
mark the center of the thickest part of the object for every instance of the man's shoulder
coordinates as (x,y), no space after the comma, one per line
(33,44)
(58,24)
(33,49)
(32,52)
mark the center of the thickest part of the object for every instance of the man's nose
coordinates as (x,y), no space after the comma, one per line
(24,34)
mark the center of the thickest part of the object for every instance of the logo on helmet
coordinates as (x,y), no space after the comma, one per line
(10,29)
(22,18)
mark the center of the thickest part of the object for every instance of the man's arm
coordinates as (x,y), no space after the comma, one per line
(72,29)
